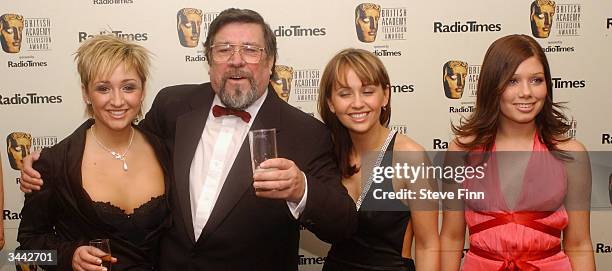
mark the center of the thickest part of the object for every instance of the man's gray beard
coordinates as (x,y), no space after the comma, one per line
(238,100)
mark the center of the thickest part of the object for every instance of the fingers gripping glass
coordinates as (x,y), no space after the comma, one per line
(223,52)
(104,245)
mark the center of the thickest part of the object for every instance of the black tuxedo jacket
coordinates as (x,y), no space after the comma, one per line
(245,232)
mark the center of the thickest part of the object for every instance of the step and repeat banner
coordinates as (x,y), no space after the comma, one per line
(420,42)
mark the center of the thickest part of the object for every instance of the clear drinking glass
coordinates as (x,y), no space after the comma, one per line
(104,245)
(263,146)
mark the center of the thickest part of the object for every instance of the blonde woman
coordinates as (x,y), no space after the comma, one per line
(105,180)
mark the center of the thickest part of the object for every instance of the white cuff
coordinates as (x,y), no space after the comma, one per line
(297,209)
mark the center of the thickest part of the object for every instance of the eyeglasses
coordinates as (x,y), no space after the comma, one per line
(223,52)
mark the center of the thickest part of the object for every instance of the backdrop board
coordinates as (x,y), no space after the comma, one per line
(41,102)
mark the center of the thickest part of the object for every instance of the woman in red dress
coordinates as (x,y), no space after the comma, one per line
(535,213)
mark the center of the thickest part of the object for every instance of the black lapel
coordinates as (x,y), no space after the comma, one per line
(240,178)
(189,128)
(75,194)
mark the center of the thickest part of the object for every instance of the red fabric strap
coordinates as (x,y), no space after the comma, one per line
(526,219)
(520,262)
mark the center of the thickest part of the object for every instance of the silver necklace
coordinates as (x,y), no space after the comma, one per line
(116,155)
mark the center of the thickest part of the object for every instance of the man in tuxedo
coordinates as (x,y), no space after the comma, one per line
(225,217)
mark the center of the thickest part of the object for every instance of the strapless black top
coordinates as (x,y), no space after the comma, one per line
(137,226)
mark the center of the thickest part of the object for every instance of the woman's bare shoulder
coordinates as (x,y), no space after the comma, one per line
(405,143)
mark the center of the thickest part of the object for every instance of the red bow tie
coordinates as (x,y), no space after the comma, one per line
(224,111)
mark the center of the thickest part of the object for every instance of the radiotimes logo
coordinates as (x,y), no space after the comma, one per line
(463,109)
(603,248)
(10,215)
(200,57)
(606,139)
(304,260)
(402,88)
(143,36)
(26,63)
(29,98)
(558,49)
(561,83)
(466,27)
(439,144)
(18,33)
(385,50)
(299,31)
(112,2)
(372,22)
(555,22)
(281,81)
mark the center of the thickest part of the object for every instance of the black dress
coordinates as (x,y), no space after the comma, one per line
(62,216)
(378,242)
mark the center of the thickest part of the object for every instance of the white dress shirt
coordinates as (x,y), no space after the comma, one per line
(215,154)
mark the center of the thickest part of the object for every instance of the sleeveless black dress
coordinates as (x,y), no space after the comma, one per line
(378,242)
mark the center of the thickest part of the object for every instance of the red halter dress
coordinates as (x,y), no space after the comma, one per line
(527,236)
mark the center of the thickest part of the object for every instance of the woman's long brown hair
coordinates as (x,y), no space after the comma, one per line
(370,71)
(500,62)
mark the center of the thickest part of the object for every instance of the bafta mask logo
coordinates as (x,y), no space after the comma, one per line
(281,81)
(18,147)
(453,76)
(542,12)
(188,22)
(11,27)
(366,21)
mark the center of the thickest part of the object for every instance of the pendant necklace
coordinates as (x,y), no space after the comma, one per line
(116,155)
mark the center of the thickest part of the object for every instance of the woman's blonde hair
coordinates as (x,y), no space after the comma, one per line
(99,56)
